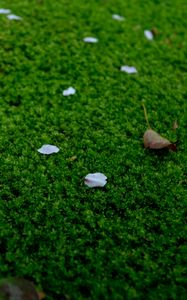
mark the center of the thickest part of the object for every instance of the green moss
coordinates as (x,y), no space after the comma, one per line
(127,240)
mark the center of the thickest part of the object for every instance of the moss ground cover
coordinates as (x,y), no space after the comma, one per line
(123,241)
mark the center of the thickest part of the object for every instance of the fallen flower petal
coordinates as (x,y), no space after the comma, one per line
(69,91)
(90,40)
(118,17)
(153,140)
(128,69)
(148,34)
(5,11)
(13,17)
(95,180)
(48,149)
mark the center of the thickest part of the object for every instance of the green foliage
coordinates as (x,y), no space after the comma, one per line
(127,240)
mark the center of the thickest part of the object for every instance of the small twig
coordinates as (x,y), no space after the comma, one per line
(146,117)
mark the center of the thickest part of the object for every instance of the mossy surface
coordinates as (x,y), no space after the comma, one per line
(123,241)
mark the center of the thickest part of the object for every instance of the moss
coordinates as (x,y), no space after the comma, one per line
(127,240)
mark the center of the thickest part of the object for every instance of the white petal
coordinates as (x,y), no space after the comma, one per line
(13,17)
(5,11)
(48,149)
(117,17)
(128,69)
(90,40)
(95,180)
(148,34)
(69,91)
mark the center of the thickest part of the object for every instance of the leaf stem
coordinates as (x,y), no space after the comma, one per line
(146,117)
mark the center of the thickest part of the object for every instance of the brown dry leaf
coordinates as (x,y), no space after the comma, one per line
(155,31)
(175,125)
(17,288)
(41,295)
(153,140)
(72,158)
